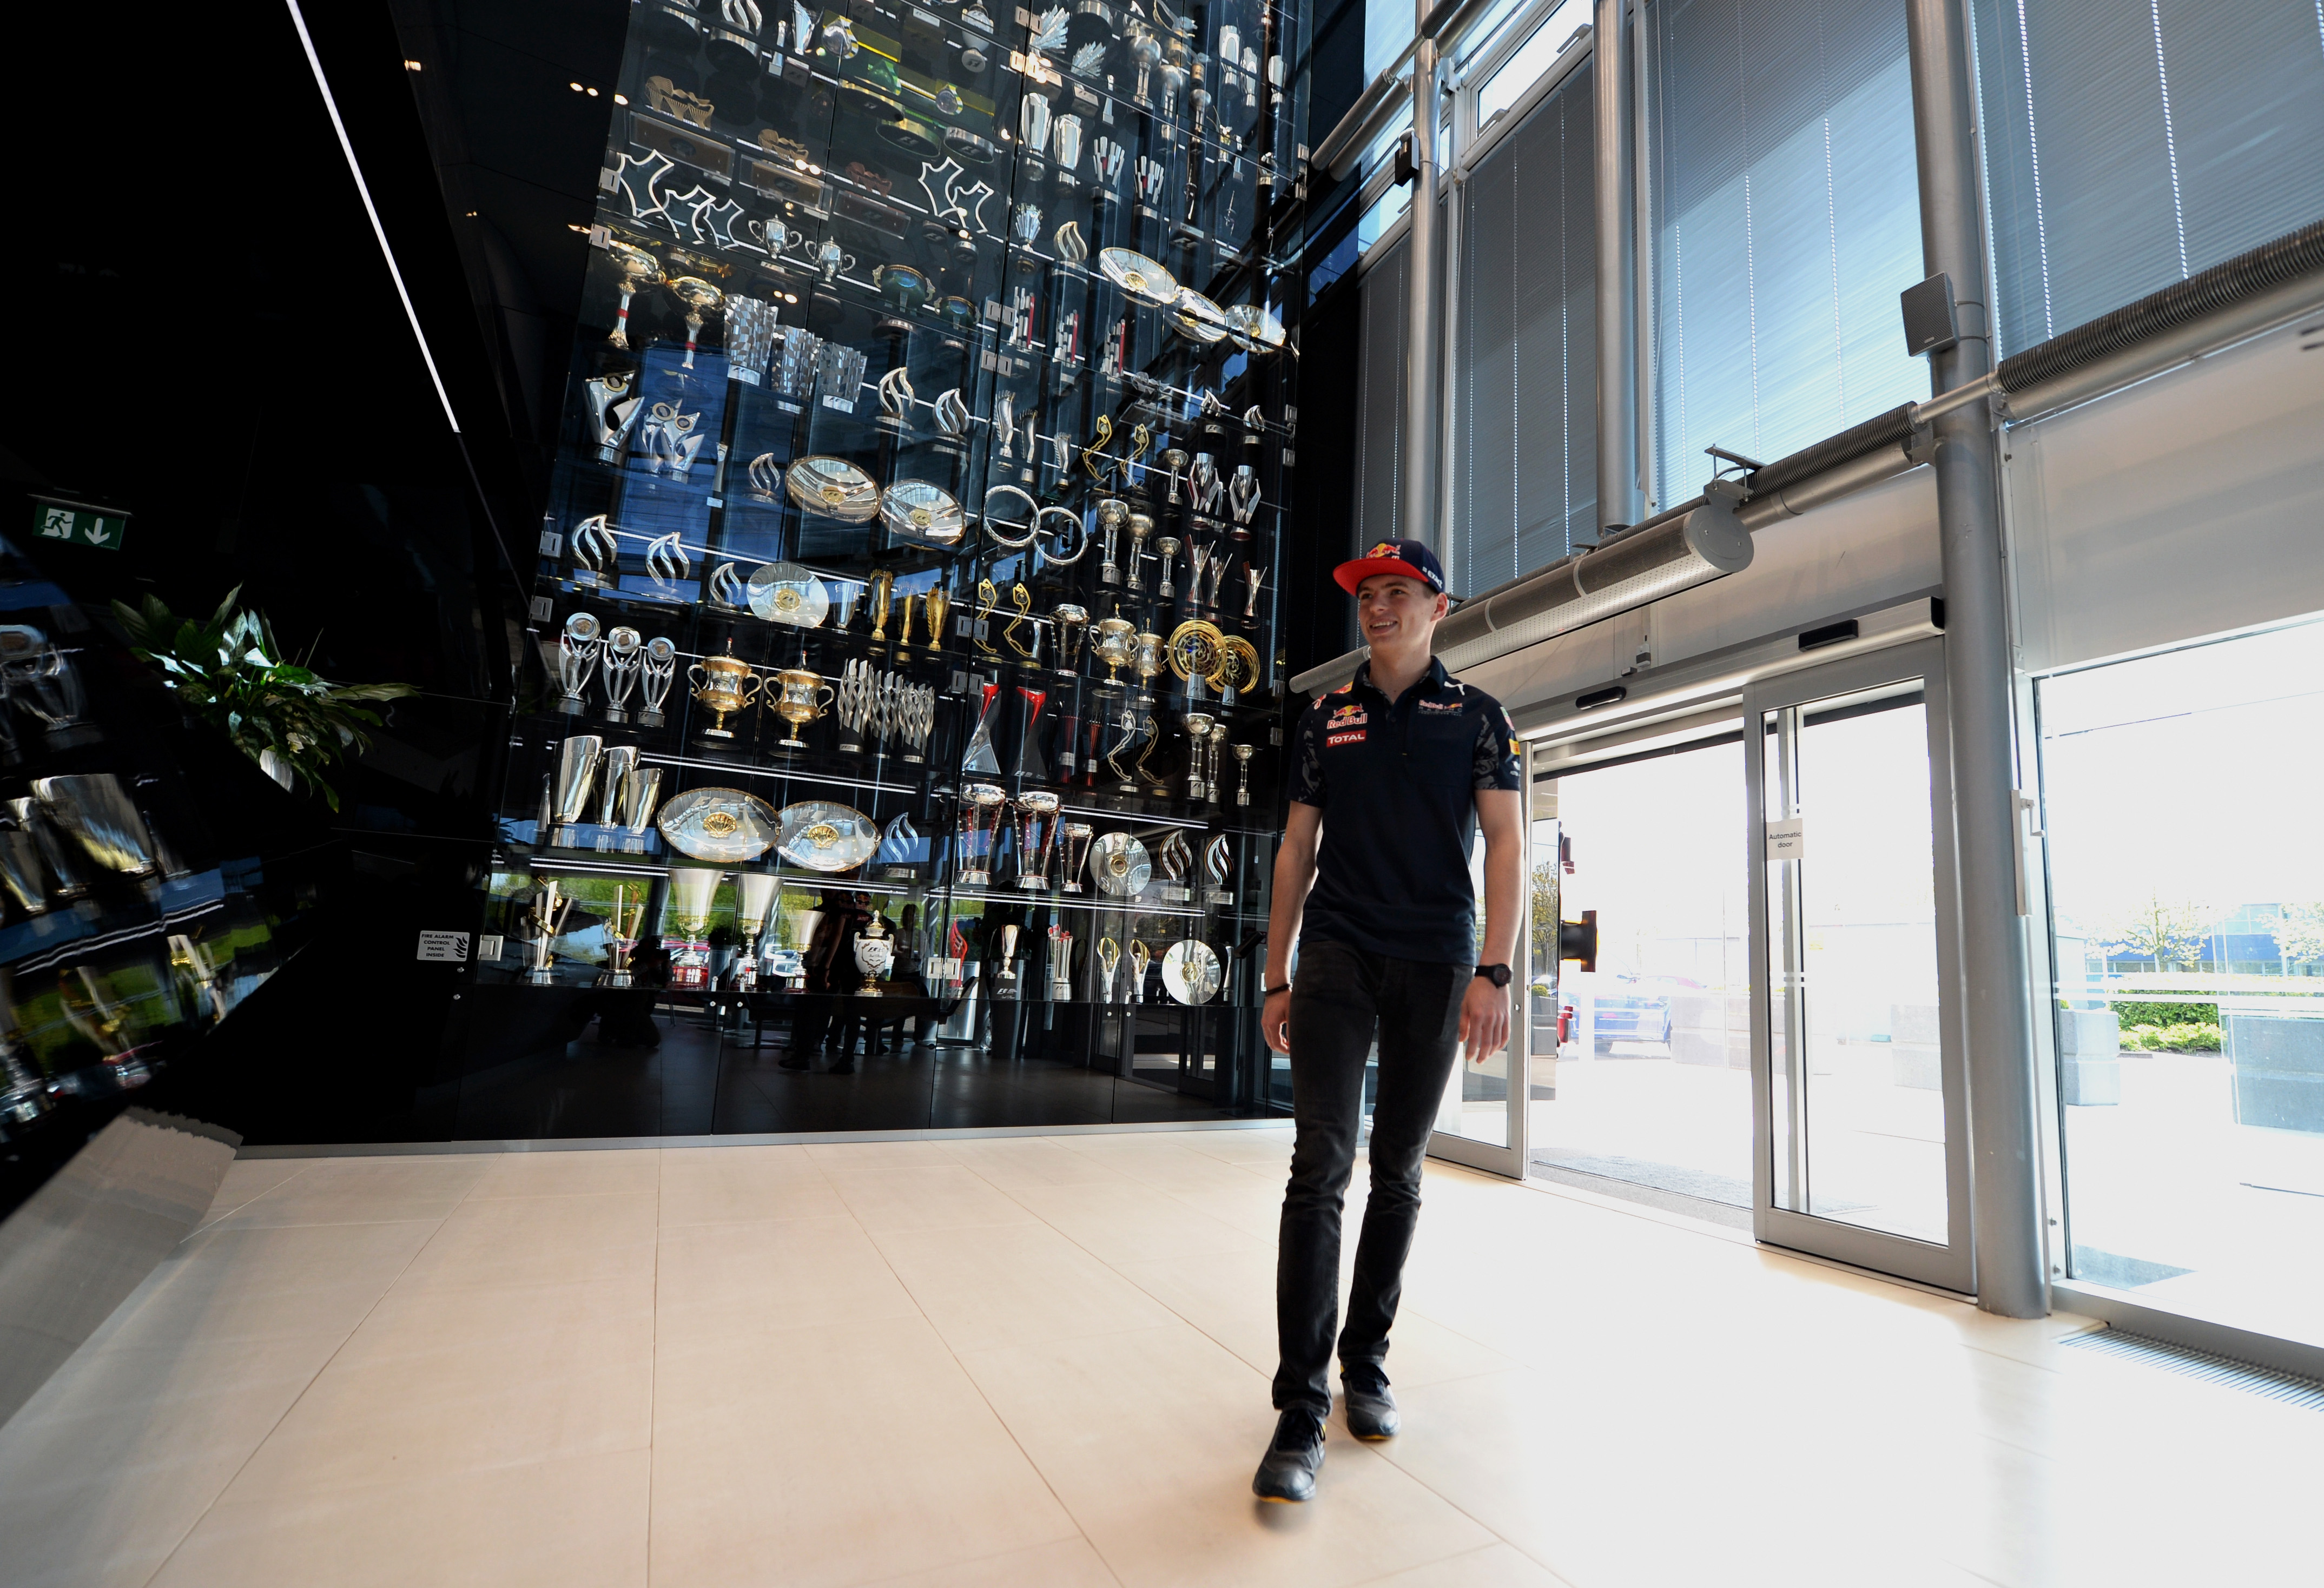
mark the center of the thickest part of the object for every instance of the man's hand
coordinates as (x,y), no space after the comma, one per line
(1275,1020)
(1484,1019)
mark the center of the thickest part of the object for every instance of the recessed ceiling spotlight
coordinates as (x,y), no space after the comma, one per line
(621,99)
(411,66)
(575,86)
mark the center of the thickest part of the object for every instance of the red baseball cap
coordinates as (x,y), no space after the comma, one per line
(1408,558)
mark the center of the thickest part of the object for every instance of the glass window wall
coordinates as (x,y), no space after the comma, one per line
(1786,220)
(2186,911)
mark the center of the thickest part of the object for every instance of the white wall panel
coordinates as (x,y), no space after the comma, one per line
(2191,505)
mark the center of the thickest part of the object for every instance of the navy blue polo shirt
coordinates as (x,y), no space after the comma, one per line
(1397,785)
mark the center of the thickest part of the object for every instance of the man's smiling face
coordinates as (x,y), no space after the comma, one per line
(1393,611)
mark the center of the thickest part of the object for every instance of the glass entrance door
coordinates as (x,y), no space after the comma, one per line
(1859,1099)
(1482,1120)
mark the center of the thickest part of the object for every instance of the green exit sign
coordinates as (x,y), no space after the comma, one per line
(75,521)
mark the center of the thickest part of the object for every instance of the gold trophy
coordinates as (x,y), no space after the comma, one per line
(623,937)
(875,952)
(988,602)
(1115,645)
(796,700)
(1141,956)
(546,915)
(725,685)
(632,268)
(1109,955)
(699,298)
(1152,660)
(883,590)
(1022,600)
(904,632)
(938,603)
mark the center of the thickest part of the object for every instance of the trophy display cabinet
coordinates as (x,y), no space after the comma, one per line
(904,611)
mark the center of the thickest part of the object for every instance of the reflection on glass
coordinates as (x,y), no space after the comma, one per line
(1497,93)
(2187,909)
(1651,1084)
(1858,1109)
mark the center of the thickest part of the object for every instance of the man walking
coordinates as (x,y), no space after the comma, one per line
(1391,777)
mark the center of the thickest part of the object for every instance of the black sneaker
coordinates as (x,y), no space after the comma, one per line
(1370,1408)
(1293,1460)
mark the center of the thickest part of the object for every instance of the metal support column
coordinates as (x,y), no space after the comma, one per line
(1996,999)
(1422,518)
(1617,298)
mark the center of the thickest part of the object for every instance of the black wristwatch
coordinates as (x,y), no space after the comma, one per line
(1498,974)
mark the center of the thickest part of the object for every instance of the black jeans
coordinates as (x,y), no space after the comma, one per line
(1344,996)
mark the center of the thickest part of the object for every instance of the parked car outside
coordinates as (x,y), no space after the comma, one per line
(1628,1008)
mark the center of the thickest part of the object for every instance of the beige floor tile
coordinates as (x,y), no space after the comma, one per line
(541,1240)
(726,1286)
(247,1178)
(1031,1161)
(1496,1566)
(915,1154)
(121,1453)
(1253,1149)
(853,1453)
(763,1157)
(254,1284)
(939,1196)
(745,1196)
(1150,1439)
(1132,1223)
(577,1523)
(433,1388)
(364,1190)
(570,1173)
(998,1284)
(1161,1159)
(1069,1563)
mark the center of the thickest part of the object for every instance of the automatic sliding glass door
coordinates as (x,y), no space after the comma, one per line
(1860,1103)
(1482,1121)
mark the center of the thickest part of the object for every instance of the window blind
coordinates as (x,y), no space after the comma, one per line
(1380,402)
(1786,219)
(1525,350)
(2130,143)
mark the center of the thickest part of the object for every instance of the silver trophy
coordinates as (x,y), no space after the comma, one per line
(766,477)
(641,797)
(576,659)
(791,371)
(1109,956)
(1167,549)
(953,420)
(656,675)
(1004,979)
(749,338)
(916,718)
(1172,861)
(1033,123)
(839,373)
(1151,176)
(1069,148)
(1025,222)
(576,770)
(624,651)
(1253,576)
(980,814)
(1141,524)
(1074,839)
(1242,754)
(615,767)
(726,589)
(670,438)
(1036,838)
(1218,577)
(1202,486)
(897,849)
(896,401)
(1107,158)
(1218,860)
(1198,727)
(859,692)
(1198,562)
(1242,494)
(596,549)
(613,409)
(1061,965)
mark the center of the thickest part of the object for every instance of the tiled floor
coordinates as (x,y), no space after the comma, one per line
(1041,1362)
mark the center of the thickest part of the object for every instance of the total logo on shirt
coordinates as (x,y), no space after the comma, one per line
(1354,736)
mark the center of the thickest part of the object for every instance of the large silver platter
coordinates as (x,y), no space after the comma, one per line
(785,592)
(824,836)
(1197,317)
(1138,276)
(1254,328)
(721,824)
(924,514)
(1119,865)
(833,486)
(1190,970)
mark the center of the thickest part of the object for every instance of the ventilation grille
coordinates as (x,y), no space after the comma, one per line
(2270,1383)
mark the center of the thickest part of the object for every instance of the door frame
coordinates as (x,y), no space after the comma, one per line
(1509,1160)
(1950,1266)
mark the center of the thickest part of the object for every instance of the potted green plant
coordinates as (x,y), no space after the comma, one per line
(231,671)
